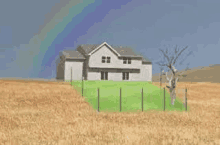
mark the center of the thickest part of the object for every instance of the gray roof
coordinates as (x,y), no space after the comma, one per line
(73,54)
(89,47)
(145,59)
(126,51)
(123,51)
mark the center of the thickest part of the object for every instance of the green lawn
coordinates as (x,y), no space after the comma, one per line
(131,97)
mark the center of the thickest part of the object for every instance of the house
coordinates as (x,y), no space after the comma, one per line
(103,62)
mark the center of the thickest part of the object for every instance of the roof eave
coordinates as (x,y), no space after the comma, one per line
(146,62)
(104,43)
(130,56)
(73,58)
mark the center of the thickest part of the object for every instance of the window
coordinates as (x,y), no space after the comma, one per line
(103,59)
(108,59)
(126,60)
(129,60)
(104,75)
(125,76)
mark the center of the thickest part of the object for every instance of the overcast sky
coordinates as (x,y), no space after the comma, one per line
(32,33)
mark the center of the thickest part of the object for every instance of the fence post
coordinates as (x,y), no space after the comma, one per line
(82,86)
(164,99)
(71,76)
(160,79)
(120,99)
(186,99)
(142,100)
(98,99)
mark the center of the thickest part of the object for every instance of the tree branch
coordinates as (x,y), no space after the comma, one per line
(176,50)
(167,77)
(161,64)
(179,55)
(176,80)
(165,55)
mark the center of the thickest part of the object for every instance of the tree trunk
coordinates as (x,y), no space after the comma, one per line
(172,96)
(172,87)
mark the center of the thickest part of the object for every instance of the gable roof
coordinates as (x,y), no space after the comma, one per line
(104,43)
(89,47)
(126,51)
(120,51)
(73,54)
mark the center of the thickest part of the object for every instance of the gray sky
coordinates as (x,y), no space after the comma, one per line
(145,25)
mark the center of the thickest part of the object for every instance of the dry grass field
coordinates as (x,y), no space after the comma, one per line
(34,112)
(205,74)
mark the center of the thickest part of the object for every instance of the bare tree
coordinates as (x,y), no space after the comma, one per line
(169,61)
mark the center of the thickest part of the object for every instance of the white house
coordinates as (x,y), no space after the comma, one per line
(103,62)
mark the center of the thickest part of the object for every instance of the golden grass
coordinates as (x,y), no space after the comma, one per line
(54,113)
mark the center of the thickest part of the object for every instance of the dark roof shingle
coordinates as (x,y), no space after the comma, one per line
(123,51)
(126,51)
(73,54)
(89,47)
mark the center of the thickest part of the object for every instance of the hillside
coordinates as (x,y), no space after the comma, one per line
(199,74)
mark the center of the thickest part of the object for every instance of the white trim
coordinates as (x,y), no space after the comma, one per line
(104,43)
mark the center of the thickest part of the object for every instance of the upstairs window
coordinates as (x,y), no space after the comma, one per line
(108,59)
(103,59)
(129,60)
(126,60)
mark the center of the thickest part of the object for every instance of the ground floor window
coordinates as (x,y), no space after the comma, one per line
(125,76)
(104,75)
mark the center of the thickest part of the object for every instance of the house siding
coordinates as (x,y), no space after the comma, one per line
(134,77)
(77,69)
(114,76)
(146,72)
(118,76)
(96,60)
(94,76)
